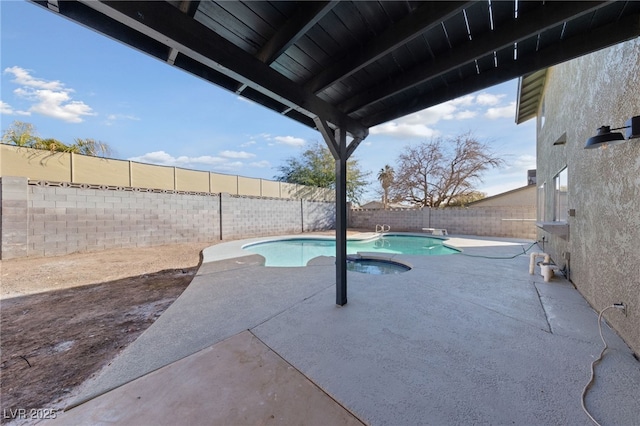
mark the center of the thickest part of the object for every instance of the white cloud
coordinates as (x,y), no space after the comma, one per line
(508,111)
(488,99)
(433,115)
(243,99)
(23,78)
(522,162)
(465,115)
(115,117)
(49,98)
(7,109)
(466,100)
(500,188)
(59,105)
(203,162)
(228,167)
(260,164)
(202,159)
(236,154)
(164,159)
(402,130)
(420,124)
(289,140)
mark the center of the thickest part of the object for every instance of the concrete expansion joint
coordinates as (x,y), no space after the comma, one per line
(277,314)
(544,310)
(219,271)
(307,377)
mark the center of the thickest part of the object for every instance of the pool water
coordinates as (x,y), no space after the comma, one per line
(376,267)
(297,252)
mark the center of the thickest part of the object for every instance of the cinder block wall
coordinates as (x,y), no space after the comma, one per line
(50,219)
(244,217)
(512,222)
(318,216)
(14,216)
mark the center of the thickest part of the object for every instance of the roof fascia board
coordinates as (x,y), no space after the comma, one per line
(530,89)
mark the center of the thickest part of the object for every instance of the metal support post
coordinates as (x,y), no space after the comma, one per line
(341,218)
(337,143)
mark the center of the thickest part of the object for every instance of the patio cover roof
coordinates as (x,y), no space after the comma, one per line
(357,64)
(345,66)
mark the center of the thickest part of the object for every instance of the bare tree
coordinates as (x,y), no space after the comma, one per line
(437,173)
(463,200)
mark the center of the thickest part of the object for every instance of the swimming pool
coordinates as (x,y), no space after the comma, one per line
(298,251)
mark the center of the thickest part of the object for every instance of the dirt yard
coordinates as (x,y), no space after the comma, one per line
(64,318)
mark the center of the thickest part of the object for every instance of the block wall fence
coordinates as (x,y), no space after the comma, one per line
(511,222)
(41,218)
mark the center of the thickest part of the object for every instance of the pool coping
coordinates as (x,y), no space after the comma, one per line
(234,249)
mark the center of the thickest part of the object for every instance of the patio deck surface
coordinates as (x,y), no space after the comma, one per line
(455,340)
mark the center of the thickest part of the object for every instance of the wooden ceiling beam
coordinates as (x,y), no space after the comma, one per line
(307,15)
(423,19)
(189,7)
(625,29)
(166,24)
(547,16)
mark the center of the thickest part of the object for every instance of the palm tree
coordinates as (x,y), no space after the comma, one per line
(90,147)
(49,144)
(20,134)
(24,135)
(385,176)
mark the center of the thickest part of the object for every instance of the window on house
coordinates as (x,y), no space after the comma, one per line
(561,195)
(541,203)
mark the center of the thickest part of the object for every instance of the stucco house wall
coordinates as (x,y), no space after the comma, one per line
(602,251)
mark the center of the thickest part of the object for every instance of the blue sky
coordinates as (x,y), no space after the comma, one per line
(71,82)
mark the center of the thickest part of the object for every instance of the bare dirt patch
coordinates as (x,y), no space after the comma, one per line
(64,318)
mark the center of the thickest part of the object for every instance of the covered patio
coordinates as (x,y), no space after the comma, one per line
(343,67)
(457,341)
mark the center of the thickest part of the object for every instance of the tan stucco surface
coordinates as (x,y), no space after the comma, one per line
(525,196)
(604,184)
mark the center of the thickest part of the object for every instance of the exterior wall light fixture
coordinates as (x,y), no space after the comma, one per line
(605,137)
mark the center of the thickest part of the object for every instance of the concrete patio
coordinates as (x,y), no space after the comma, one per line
(456,340)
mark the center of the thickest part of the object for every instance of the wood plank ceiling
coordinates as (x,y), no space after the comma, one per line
(358,64)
